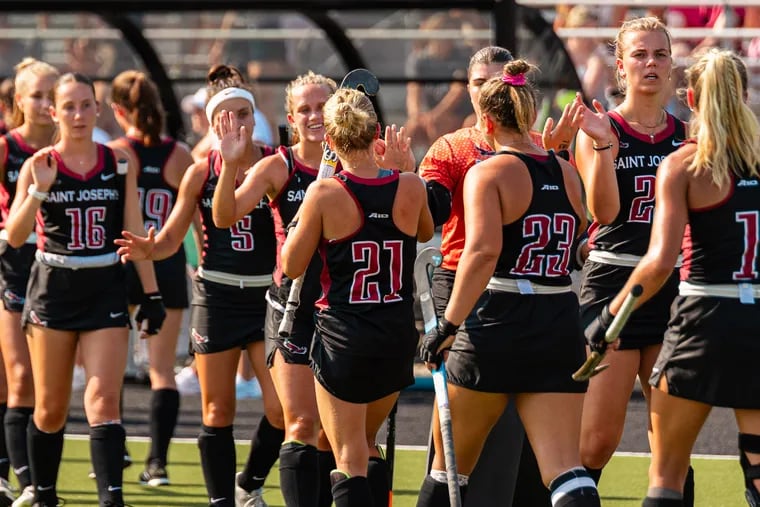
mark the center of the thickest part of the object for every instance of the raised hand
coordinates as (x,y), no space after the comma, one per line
(596,123)
(44,169)
(136,248)
(560,136)
(233,137)
(395,152)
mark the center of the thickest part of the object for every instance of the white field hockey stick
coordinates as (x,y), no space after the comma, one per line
(592,367)
(358,79)
(426,260)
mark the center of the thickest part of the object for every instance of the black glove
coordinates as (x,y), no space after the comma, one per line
(151,310)
(596,330)
(433,339)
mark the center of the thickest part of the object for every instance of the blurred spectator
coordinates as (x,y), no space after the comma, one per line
(435,109)
(6,104)
(106,120)
(591,57)
(194,107)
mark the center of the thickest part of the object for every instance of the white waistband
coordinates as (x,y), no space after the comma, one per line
(77,261)
(31,240)
(235,280)
(744,292)
(620,259)
(522,286)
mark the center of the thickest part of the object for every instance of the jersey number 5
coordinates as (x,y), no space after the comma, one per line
(363,288)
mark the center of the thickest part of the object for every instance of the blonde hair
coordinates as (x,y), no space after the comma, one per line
(645,24)
(26,69)
(350,120)
(512,106)
(310,78)
(724,126)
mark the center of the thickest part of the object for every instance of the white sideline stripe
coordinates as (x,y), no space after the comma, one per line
(417,448)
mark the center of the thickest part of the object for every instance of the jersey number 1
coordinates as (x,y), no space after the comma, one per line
(749,256)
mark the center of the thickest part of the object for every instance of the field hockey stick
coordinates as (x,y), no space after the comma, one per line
(427,259)
(390,449)
(357,79)
(592,367)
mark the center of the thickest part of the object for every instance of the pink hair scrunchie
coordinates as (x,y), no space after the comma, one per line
(516,80)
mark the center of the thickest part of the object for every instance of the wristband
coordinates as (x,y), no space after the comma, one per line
(601,148)
(40,196)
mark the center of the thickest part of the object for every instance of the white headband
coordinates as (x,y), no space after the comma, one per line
(227,94)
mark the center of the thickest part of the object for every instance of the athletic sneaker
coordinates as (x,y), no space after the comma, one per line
(187,381)
(245,498)
(247,389)
(6,493)
(26,498)
(154,475)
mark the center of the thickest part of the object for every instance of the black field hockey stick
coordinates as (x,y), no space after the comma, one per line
(357,79)
(427,259)
(592,367)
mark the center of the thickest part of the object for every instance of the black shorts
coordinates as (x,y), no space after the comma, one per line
(513,343)
(171,275)
(295,349)
(76,299)
(711,352)
(223,317)
(647,325)
(443,283)
(15,265)
(361,359)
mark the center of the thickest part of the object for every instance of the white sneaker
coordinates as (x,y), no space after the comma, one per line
(26,498)
(187,381)
(245,498)
(6,493)
(78,379)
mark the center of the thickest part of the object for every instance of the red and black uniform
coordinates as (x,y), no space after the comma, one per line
(157,197)
(365,341)
(711,348)
(77,282)
(523,335)
(15,263)
(617,247)
(284,206)
(229,305)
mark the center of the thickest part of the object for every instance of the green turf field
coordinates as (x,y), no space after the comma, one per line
(719,482)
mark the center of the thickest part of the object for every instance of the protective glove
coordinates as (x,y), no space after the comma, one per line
(151,314)
(436,341)
(596,330)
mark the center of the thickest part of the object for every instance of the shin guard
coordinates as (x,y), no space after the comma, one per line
(299,474)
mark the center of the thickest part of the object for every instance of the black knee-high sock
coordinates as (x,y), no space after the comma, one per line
(217,446)
(378,476)
(265,449)
(435,494)
(595,473)
(16,422)
(529,487)
(299,474)
(5,461)
(350,492)
(45,451)
(164,408)
(688,489)
(326,460)
(107,454)
(662,502)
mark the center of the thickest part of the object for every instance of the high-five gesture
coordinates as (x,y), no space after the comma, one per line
(136,248)
(394,151)
(44,169)
(233,137)
(595,123)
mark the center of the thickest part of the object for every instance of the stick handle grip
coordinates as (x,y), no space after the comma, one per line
(289,315)
(444,418)
(622,316)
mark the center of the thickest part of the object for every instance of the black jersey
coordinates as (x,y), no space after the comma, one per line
(373,266)
(721,241)
(248,247)
(17,151)
(635,170)
(157,196)
(83,214)
(538,245)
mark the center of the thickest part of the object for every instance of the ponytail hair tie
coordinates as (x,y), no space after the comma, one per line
(514,80)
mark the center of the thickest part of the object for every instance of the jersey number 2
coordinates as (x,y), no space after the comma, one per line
(363,289)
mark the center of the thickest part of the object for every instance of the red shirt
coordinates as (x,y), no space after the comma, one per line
(447,161)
